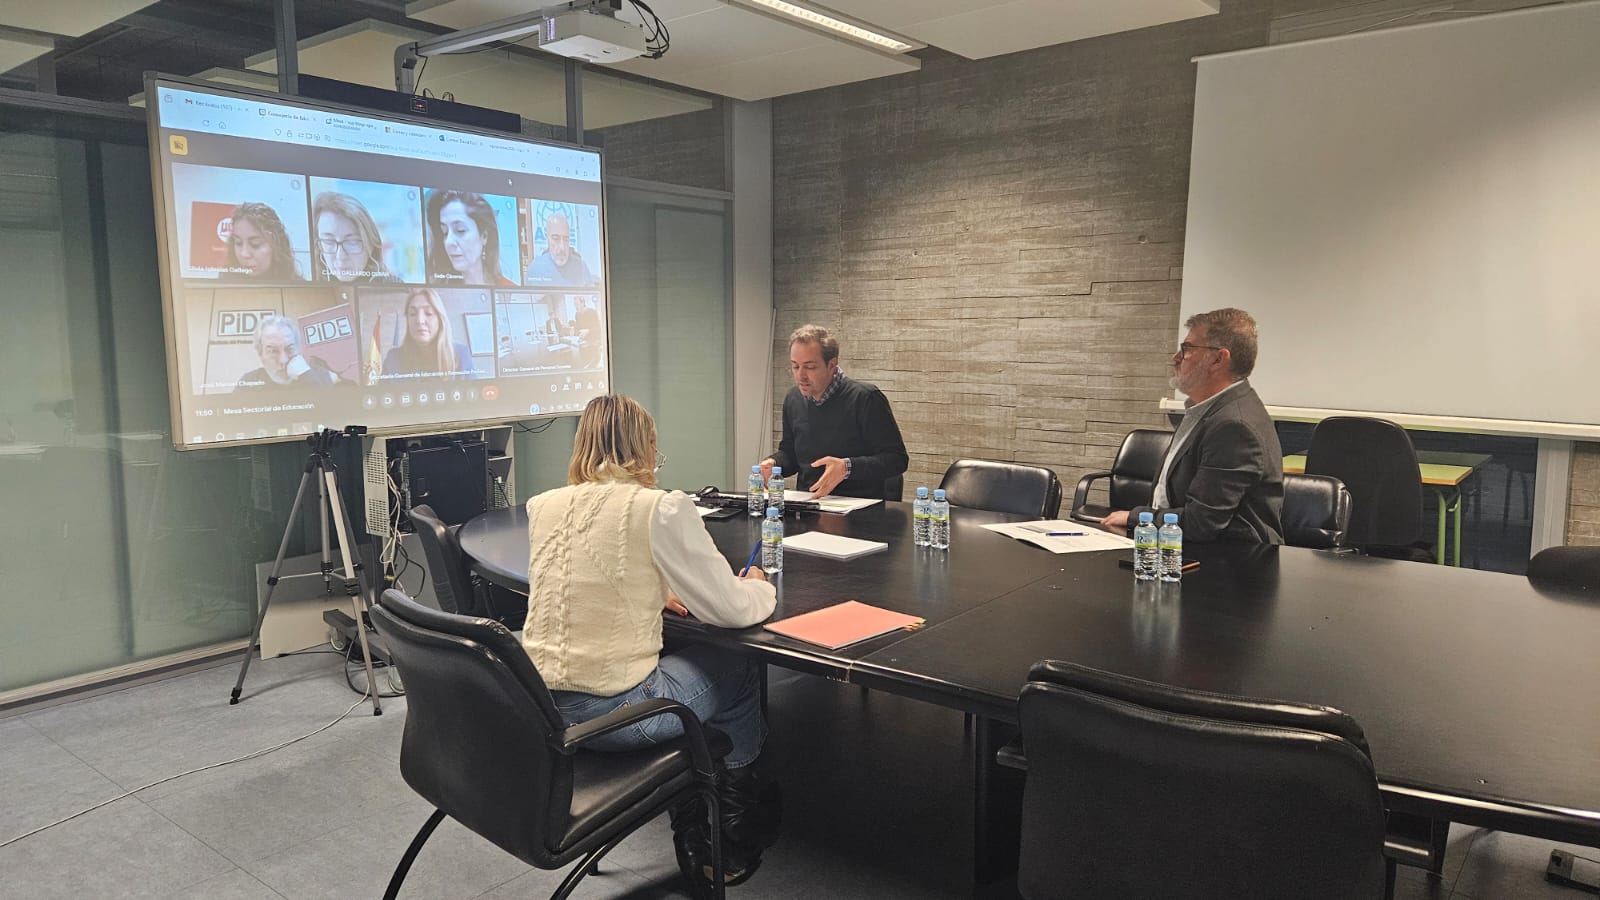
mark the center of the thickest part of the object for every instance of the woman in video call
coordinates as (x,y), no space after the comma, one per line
(351,248)
(428,348)
(258,245)
(465,246)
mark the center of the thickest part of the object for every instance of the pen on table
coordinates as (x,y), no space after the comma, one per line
(754,552)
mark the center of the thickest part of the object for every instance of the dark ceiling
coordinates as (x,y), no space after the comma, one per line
(182,37)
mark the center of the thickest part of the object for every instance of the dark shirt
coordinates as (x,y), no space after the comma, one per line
(543,270)
(854,423)
(398,362)
(259,380)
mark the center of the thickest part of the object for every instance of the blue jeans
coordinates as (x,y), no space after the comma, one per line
(723,689)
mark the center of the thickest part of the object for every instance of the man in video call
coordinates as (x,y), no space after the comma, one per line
(560,262)
(278,346)
(839,435)
(1223,472)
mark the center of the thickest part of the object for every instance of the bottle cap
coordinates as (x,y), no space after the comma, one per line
(938,494)
(1170,518)
(1145,518)
(777,471)
(922,493)
(755,470)
(772,512)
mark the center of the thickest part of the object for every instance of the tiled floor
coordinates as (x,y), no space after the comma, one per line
(884,811)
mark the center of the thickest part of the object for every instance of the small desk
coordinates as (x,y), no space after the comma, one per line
(1443,471)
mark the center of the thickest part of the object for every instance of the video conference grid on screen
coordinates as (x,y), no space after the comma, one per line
(326,268)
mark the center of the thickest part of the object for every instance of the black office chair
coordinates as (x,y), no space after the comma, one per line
(1378,465)
(1316,511)
(1003,487)
(486,746)
(1569,568)
(1136,789)
(1133,475)
(452,580)
(456,588)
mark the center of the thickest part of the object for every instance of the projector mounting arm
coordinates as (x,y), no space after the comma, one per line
(406,56)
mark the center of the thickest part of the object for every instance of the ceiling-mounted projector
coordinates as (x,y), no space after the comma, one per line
(591,37)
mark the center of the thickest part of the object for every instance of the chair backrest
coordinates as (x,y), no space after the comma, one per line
(1138,464)
(452,581)
(1316,511)
(1570,568)
(1128,800)
(1378,465)
(1003,487)
(481,727)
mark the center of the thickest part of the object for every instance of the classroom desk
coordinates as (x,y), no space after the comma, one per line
(1443,471)
(1475,689)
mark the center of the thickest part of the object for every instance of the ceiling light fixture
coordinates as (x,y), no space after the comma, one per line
(832,22)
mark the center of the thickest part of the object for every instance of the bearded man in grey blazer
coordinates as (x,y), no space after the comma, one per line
(1223,473)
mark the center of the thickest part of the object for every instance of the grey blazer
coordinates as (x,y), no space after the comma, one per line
(1229,475)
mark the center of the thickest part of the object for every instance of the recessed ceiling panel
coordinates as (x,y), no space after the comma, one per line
(978,29)
(71,18)
(716,48)
(14,50)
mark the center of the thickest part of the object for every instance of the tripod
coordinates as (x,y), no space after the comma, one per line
(320,469)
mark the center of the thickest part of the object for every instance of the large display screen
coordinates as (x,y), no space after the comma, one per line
(325,267)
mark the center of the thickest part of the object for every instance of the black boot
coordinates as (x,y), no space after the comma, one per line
(751,813)
(691,842)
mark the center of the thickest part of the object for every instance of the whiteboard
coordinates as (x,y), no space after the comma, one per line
(1412,216)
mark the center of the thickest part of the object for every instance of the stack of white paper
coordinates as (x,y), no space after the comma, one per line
(831,545)
(1059,536)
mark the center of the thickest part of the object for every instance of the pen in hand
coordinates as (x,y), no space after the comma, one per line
(754,552)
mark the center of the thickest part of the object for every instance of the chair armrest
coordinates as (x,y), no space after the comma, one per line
(575,737)
(1080,494)
(1011,756)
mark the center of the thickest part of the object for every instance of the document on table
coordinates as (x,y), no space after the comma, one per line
(839,505)
(843,624)
(1060,536)
(832,546)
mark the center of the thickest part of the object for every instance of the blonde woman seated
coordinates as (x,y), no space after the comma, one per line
(608,553)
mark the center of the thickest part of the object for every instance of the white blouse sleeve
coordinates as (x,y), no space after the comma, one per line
(698,574)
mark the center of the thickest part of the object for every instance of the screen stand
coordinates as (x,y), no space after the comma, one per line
(320,470)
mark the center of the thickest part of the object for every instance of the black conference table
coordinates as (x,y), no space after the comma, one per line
(1479,694)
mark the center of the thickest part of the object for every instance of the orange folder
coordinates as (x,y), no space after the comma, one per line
(843,624)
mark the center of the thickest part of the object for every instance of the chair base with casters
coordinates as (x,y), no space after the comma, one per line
(485,745)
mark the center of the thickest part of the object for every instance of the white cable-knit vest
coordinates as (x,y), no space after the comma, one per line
(594,592)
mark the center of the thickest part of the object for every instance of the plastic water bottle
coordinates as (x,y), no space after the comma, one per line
(775,490)
(756,494)
(939,522)
(1146,553)
(919,519)
(772,542)
(1170,539)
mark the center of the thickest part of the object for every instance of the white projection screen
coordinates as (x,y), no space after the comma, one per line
(325,266)
(1413,217)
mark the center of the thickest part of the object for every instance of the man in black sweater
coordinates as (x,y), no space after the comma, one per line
(839,435)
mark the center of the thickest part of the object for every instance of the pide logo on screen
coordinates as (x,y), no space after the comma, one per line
(241,323)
